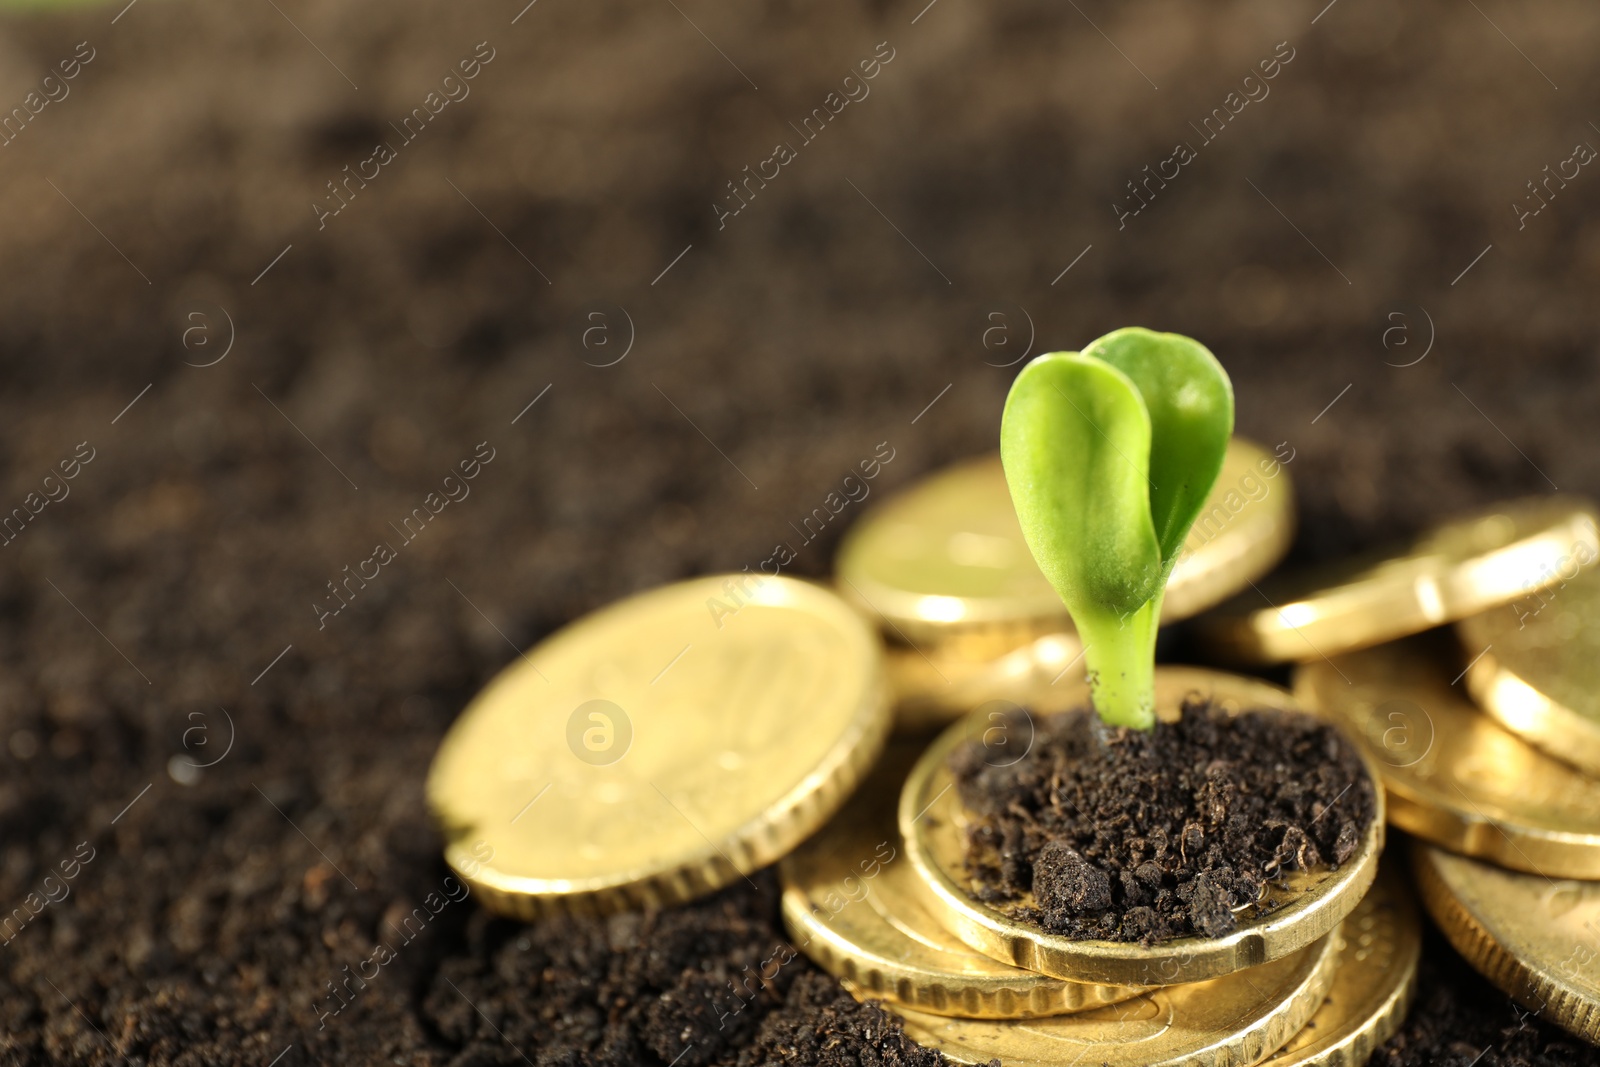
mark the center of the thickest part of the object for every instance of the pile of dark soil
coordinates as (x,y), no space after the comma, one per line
(1123,835)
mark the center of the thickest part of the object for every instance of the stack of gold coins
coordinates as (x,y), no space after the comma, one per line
(648,753)
(943,570)
(1487,740)
(1320,972)
(680,739)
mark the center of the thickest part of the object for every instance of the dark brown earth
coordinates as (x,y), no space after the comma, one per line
(196,547)
(1123,835)
(1458,1020)
(714,982)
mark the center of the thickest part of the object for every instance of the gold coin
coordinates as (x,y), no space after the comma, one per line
(661,747)
(932,691)
(1453,775)
(1537,939)
(1380,945)
(852,904)
(1459,569)
(1536,667)
(1290,916)
(947,555)
(1240,1018)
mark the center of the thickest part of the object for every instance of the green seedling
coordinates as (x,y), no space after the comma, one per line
(1110,454)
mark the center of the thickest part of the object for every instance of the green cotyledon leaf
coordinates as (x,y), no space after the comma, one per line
(1189,399)
(1075,444)
(1110,453)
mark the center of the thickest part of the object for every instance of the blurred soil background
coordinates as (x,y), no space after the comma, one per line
(1348,244)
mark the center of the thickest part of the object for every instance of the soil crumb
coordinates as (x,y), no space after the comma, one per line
(1120,835)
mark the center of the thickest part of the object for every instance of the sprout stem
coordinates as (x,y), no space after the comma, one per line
(1120,653)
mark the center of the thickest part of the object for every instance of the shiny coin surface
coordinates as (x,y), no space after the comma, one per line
(947,555)
(1535,666)
(1453,775)
(1306,906)
(1538,940)
(852,904)
(1239,1019)
(1380,945)
(661,747)
(1460,569)
(931,692)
